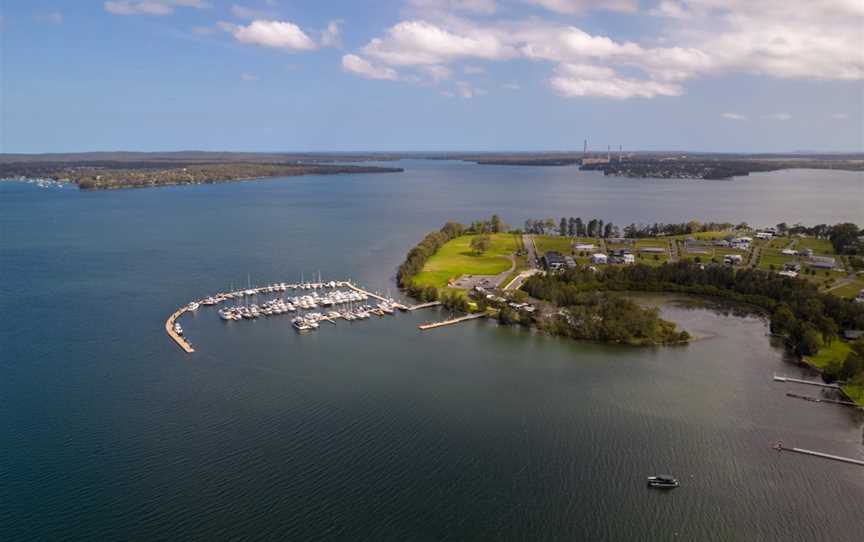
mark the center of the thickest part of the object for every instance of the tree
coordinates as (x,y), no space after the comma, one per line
(571,227)
(580,227)
(609,230)
(562,227)
(498,225)
(783,322)
(480,244)
(599,228)
(808,340)
(844,238)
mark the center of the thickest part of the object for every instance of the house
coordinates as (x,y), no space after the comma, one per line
(599,258)
(853,334)
(807,252)
(586,247)
(789,252)
(629,259)
(722,243)
(792,266)
(553,261)
(822,262)
(569,262)
(788,273)
(764,235)
(652,250)
(733,259)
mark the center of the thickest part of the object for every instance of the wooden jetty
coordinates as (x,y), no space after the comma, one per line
(452,321)
(823,455)
(169,327)
(822,400)
(808,382)
(421,306)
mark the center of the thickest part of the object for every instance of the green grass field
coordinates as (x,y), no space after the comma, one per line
(838,350)
(849,290)
(456,258)
(819,246)
(545,243)
(772,256)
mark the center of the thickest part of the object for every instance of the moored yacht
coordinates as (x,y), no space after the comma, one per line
(663,481)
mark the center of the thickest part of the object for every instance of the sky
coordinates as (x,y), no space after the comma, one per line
(431,75)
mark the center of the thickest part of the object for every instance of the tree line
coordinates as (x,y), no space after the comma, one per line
(805,317)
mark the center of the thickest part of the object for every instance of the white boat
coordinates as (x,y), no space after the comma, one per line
(178,329)
(193,306)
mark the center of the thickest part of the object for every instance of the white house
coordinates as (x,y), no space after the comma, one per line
(789,252)
(583,246)
(629,259)
(599,258)
(733,259)
(764,235)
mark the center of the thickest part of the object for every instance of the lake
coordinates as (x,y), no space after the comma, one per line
(373,430)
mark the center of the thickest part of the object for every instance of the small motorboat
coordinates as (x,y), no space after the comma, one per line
(663,481)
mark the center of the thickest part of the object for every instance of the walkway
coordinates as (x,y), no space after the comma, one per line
(169,327)
(452,321)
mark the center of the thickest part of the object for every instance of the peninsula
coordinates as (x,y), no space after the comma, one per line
(97,171)
(571,278)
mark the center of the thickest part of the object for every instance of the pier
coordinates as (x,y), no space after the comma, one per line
(169,327)
(821,400)
(823,455)
(433,325)
(808,382)
(422,306)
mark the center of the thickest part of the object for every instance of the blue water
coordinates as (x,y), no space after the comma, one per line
(373,430)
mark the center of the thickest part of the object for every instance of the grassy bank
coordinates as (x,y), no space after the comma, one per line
(456,258)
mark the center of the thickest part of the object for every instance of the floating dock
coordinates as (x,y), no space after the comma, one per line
(422,306)
(433,325)
(808,382)
(824,455)
(169,327)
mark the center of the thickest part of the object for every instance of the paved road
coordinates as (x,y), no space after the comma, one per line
(528,241)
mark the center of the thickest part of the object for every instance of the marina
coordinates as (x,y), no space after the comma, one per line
(309,303)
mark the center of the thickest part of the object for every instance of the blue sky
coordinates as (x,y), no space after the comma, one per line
(282,75)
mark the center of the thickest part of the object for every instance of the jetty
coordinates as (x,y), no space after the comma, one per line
(808,382)
(422,306)
(452,321)
(823,455)
(822,400)
(169,327)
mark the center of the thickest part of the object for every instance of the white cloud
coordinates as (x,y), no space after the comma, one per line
(473,70)
(467,91)
(778,116)
(839,116)
(248,77)
(151,7)
(438,73)
(511,86)
(276,34)
(580,6)
(202,30)
(412,43)
(52,18)
(332,35)
(734,116)
(581,80)
(362,67)
(818,39)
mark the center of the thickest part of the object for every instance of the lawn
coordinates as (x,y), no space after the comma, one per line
(772,256)
(849,290)
(856,393)
(819,246)
(838,350)
(545,243)
(456,258)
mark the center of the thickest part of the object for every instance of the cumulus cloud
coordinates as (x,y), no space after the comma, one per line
(362,67)
(579,6)
(582,80)
(733,116)
(818,39)
(276,34)
(151,7)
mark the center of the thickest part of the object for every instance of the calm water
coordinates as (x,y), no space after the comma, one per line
(371,430)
